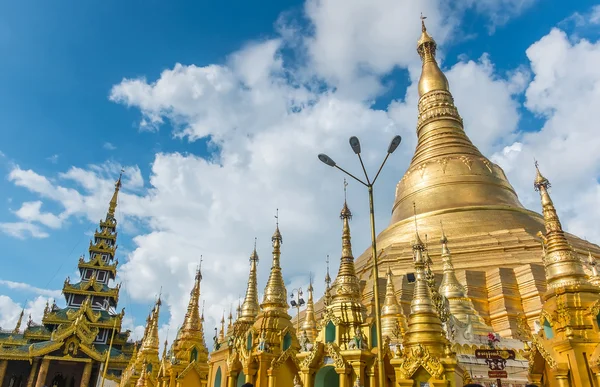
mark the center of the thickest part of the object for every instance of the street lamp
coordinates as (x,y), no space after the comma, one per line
(106,308)
(355,145)
(297,302)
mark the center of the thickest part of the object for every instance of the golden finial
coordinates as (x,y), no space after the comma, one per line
(192,322)
(275,295)
(277,235)
(199,270)
(310,322)
(112,206)
(327,283)
(349,289)
(19,322)
(432,78)
(345,213)
(390,306)
(222,331)
(164,354)
(563,266)
(250,306)
(418,243)
(424,324)
(202,315)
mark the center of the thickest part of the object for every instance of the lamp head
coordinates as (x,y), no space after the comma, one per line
(326,159)
(394,144)
(355,144)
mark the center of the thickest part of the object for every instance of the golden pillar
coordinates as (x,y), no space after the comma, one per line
(307,377)
(32,373)
(343,374)
(249,374)
(3,365)
(372,375)
(232,380)
(272,375)
(85,377)
(42,373)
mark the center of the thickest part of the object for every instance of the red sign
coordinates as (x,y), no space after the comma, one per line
(497,374)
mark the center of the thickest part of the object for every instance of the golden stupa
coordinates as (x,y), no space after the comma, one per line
(495,247)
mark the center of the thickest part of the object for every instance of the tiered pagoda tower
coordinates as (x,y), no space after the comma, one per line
(71,345)
(263,349)
(566,351)
(186,365)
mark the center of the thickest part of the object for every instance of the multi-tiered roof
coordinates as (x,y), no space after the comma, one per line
(88,320)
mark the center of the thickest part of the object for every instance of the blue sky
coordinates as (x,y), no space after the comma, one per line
(61,59)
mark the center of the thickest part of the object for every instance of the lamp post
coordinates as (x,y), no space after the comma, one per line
(112,336)
(355,145)
(297,302)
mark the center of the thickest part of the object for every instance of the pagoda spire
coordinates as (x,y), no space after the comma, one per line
(309,325)
(190,335)
(346,285)
(250,306)
(192,323)
(460,305)
(327,284)
(445,155)
(164,354)
(230,322)
(275,298)
(222,331)
(424,324)
(151,342)
(112,206)
(563,266)
(393,320)
(19,322)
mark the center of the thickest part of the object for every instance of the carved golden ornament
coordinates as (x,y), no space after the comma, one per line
(594,309)
(523,328)
(289,353)
(333,352)
(327,316)
(309,360)
(419,356)
(537,346)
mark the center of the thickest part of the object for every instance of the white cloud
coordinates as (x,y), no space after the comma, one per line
(53,159)
(565,92)
(31,212)
(29,288)
(109,146)
(499,12)
(23,230)
(10,311)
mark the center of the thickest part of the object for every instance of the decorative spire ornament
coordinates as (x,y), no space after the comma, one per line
(424,324)
(250,307)
(19,322)
(327,284)
(393,321)
(309,325)
(275,296)
(346,286)
(459,303)
(563,266)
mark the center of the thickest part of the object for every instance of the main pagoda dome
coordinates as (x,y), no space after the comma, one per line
(496,250)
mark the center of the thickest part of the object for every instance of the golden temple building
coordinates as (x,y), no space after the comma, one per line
(71,346)
(503,279)
(497,282)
